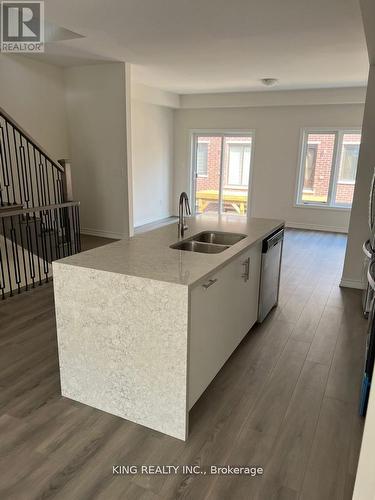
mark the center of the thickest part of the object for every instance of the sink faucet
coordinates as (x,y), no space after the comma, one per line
(184,202)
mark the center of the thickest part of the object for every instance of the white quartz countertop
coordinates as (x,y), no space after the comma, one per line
(148,255)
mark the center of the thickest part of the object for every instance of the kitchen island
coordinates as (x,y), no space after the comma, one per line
(144,328)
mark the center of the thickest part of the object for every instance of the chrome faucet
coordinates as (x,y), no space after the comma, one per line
(183,203)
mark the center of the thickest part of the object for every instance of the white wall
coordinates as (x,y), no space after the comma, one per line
(364,488)
(152,95)
(344,95)
(152,147)
(96,106)
(152,119)
(32,93)
(365,480)
(358,230)
(276,154)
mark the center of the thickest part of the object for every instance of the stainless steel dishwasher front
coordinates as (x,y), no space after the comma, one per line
(270,273)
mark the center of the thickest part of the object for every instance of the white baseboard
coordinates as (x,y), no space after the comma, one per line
(317,227)
(102,234)
(344,283)
(151,220)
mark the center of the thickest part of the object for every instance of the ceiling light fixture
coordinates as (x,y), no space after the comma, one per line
(269,82)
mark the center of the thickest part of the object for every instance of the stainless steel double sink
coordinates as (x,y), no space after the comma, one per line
(209,242)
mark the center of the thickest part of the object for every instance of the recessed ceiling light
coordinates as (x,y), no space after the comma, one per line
(268,82)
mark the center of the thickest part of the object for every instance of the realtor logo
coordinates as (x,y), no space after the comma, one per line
(22,27)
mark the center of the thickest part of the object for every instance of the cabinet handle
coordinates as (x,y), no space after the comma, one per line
(210,283)
(246,274)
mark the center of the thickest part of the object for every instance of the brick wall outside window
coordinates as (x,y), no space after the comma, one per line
(325,144)
(212,180)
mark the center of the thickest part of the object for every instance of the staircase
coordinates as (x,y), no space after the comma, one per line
(39,221)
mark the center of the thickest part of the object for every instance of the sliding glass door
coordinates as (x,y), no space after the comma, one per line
(221,172)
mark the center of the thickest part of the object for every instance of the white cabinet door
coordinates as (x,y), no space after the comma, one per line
(247,304)
(222,311)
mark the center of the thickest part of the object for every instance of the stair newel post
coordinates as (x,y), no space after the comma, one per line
(67,180)
(66,221)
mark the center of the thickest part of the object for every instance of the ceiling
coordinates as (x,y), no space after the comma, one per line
(195,46)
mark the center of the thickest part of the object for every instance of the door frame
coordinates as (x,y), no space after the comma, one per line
(193,133)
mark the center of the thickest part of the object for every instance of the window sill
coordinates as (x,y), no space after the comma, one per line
(322,207)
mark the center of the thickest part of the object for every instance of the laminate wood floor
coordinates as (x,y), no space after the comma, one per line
(286,401)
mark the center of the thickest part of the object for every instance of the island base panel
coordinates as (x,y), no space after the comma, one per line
(122,344)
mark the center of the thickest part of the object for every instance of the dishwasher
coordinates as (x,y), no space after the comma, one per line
(270,273)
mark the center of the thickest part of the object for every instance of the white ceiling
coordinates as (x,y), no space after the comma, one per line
(189,46)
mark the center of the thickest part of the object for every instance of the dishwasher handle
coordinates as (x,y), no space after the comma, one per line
(272,240)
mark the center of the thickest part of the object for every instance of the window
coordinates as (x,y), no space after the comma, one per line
(349,160)
(238,165)
(221,166)
(328,168)
(202,159)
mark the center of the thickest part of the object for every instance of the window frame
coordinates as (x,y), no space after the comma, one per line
(339,133)
(308,146)
(204,176)
(341,181)
(243,145)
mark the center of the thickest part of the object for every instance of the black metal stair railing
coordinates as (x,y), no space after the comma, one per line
(32,238)
(28,176)
(39,222)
